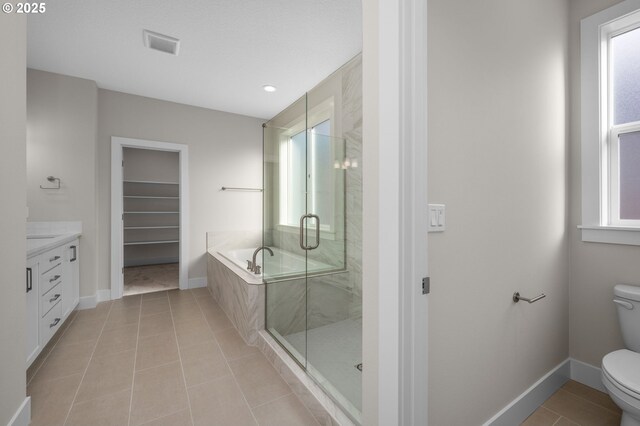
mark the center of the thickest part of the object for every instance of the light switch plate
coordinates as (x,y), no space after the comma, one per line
(437,220)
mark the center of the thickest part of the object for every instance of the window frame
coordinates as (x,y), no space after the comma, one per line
(599,139)
(305,123)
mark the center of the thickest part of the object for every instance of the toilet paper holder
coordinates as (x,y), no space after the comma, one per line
(517,297)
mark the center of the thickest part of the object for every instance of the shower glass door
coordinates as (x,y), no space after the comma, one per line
(284,212)
(308,299)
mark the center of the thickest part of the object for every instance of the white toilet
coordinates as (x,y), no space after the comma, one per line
(621,369)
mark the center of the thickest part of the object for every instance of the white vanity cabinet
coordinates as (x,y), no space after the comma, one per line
(71,284)
(52,287)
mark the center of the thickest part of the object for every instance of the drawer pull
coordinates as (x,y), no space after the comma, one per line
(56,277)
(54,258)
(29,279)
(54,298)
(54,323)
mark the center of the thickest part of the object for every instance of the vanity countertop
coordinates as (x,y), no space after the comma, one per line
(43,236)
(37,244)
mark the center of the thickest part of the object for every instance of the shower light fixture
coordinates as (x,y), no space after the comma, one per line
(269,88)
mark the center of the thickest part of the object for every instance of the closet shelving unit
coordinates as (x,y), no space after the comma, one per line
(151,212)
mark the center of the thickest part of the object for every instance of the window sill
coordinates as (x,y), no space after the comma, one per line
(610,235)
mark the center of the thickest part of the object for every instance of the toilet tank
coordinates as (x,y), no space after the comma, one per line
(627,300)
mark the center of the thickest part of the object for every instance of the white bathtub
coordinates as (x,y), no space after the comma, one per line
(241,293)
(282,264)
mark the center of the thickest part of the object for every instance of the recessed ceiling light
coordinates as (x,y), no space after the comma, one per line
(269,88)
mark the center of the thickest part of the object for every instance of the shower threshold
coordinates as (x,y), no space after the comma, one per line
(332,352)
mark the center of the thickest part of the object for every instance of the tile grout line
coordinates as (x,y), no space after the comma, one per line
(184,378)
(589,401)
(273,400)
(95,346)
(292,391)
(557,414)
(224,356)
(135,360)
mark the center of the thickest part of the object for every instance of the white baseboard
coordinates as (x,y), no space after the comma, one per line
(90,302)
(104,295)
(22,417)
(521,407)
(525,404)
(587,375)
(197,282)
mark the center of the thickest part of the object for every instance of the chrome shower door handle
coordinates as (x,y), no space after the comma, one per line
(303,218)
(317,218)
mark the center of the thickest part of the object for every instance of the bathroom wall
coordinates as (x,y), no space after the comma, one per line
(70,126)
(497,96)
(595,268)
(13,32)
(61,141)
(224,150)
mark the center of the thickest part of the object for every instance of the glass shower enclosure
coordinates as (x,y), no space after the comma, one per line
(313,308)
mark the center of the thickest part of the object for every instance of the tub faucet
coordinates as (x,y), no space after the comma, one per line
(252,264)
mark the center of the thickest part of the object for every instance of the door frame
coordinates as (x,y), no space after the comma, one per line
(395,320)
(117,231)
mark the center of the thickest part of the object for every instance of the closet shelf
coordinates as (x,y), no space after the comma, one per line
(151,197)
(151,227)
(151,212)
(151,182)
(140,243)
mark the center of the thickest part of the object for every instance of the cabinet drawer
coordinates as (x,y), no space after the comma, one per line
(49,299)
(50,323)
(51,259)
(50,279)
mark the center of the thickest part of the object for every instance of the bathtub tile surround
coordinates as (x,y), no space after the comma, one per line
(243,302)
(166,375)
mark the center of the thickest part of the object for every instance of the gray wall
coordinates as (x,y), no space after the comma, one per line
(61,141)
(497,81)
(224,150)
(70,127)
(595,268)
(13,32)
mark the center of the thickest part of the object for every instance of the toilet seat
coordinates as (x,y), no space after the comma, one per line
(622,367)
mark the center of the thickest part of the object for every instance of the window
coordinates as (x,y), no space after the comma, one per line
(610,118)
(307,175)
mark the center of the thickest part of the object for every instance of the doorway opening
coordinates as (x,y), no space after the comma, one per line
(149,199)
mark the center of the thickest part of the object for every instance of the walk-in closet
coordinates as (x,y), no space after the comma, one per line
(151,216)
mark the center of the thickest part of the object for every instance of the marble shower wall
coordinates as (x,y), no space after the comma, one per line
(352,132)
(333,297)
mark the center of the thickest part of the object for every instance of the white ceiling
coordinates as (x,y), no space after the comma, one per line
(229,48)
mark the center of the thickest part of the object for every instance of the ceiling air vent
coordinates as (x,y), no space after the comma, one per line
(161,42)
